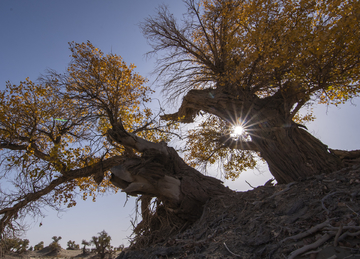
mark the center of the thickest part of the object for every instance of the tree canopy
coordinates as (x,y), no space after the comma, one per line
(53,133)
(306,47)
(230,60)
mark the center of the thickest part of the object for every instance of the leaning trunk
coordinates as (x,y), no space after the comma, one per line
(182,189)
(160,172)
(292,153)
(179,190)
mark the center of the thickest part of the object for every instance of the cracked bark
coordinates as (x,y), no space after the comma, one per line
(160,172)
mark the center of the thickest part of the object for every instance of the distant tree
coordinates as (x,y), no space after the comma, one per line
(16,245)
(102,244)
(71,245)
(56,239)
(55,244)
(39,246)
(31,248)
(85,243)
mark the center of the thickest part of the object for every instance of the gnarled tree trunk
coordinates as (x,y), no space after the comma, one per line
(290,151)
(160,172)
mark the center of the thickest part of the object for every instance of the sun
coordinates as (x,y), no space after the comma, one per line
(237,131)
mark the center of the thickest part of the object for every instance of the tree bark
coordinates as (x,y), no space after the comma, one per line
(292,153)
(160,172)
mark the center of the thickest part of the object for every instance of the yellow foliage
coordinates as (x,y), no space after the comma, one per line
(203,147)
(62,120)
(302,49)
(265,45)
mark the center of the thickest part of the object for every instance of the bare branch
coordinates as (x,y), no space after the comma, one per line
(121,136)
(10,212)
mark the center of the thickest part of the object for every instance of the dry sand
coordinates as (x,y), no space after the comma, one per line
(62,253)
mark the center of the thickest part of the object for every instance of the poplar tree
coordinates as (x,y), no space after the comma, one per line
(255,64)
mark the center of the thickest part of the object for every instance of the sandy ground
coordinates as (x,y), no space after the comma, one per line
(47,253)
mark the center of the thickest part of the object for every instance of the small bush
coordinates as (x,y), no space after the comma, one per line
(72,246)
(85,243)
(55,244)
(39,246)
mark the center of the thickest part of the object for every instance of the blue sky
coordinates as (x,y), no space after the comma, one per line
(34,36)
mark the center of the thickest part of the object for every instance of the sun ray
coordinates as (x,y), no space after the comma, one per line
(237,131)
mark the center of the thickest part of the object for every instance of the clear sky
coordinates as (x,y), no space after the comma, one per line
(34,37)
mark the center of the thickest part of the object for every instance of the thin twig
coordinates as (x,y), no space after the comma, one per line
(347,233)
(230,251)
(351,256)
(344,228)
(285,190)
(249,184)
(312,252)
(336,240)
(352,210)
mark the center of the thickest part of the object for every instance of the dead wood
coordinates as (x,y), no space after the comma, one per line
(308,232)
(329,195)
(338,233)
(306,248)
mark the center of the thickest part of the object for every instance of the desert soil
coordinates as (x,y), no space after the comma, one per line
(273,221)
(316,218)
(59,254)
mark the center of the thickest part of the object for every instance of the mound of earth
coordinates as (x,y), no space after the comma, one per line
(48,252)
(51,252)
(317,217)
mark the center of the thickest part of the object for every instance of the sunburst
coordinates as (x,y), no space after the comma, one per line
(237,131)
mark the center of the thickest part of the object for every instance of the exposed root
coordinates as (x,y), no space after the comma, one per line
(308,232)
(314,245)
(331,194)
(310,218)
(157,223)
(282,191)
(330,231)
(313,252)
(230,251)
(336,240)
(347,233)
